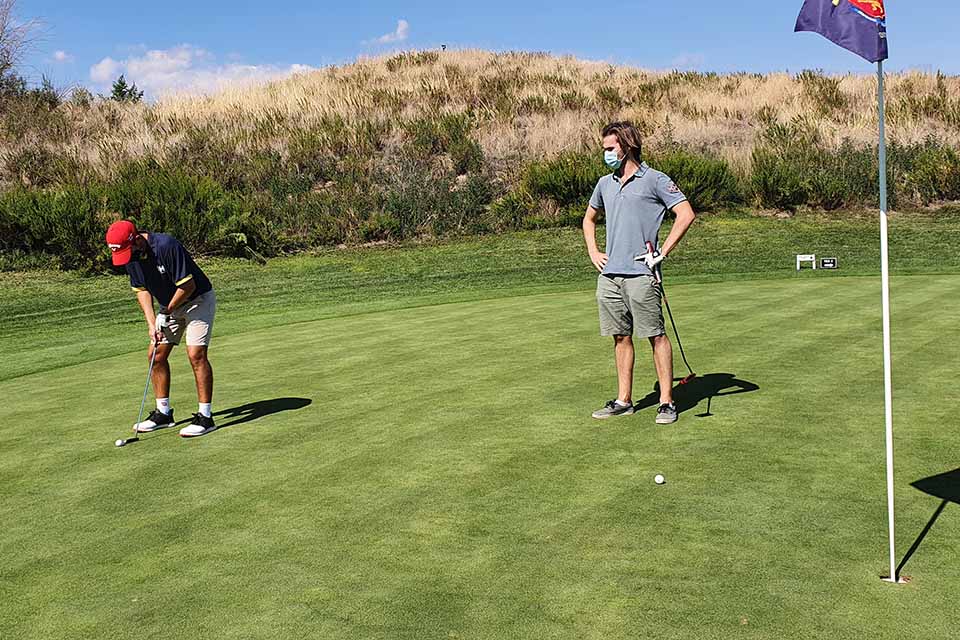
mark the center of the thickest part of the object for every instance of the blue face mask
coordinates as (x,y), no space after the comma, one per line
(611,159)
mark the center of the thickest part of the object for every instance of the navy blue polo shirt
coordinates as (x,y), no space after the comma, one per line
(165,268)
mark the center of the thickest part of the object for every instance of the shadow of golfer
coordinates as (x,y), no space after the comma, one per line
(260,409)
(705,387)
(945,486)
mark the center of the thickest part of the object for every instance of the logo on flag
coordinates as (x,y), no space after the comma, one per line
(872,9)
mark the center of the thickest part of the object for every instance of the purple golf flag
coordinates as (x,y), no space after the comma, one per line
(856,25)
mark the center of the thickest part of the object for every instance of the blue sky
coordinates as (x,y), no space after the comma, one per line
(200,45)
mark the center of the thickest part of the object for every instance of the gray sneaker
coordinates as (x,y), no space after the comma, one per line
(667,414)
(612,409)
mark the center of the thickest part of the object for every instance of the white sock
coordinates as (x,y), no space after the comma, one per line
(205,409)
(163,406)
(622,404)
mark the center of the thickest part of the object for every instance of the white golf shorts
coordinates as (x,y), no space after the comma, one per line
(195,319)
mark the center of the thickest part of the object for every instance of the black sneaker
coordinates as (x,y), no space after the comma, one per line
(199,425)
(612,409)
(156,420)
(667,413)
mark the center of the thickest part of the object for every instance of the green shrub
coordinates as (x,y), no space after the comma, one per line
(925,173)
(573,100)
(822,92)
(424,199)
(708,182)
(63,224)
(412,59)
(609,98)
(568,180)
(449,133)
(534,104)
(510,211)
(791,167)
(380,226)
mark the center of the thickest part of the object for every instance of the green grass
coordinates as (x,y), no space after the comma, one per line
(52,319)
(445,479)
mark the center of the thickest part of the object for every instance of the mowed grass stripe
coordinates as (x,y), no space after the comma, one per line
(447,478)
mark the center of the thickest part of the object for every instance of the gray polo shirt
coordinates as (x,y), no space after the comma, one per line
(634,214)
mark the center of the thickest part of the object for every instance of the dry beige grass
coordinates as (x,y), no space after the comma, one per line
(524,104)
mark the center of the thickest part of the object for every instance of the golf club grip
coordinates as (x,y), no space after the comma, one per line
(656,271)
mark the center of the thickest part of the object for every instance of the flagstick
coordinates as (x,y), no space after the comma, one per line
(885,288)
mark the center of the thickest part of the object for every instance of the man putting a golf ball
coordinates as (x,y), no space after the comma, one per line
(635,199)
(161,268)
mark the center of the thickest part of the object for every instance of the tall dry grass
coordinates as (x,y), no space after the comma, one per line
(524,106)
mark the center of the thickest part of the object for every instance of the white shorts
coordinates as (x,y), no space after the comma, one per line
(195,319)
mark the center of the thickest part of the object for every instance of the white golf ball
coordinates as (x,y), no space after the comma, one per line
(119,443)
(659,479)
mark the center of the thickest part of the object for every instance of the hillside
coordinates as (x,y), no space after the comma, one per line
(436,143)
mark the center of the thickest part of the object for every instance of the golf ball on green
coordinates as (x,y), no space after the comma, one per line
(119,443)
(659,479)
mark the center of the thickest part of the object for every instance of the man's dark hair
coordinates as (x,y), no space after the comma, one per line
(627,136)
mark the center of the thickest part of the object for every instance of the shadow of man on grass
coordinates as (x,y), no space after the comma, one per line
(260,409)
(945,486)
(705,387)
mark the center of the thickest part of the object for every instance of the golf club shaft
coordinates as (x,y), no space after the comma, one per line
(674,325)
(146,386)
(658,276)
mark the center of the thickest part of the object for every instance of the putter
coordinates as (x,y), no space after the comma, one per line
(658,275)
(146,387)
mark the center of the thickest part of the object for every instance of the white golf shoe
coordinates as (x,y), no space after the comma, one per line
(156,420)
(200,425)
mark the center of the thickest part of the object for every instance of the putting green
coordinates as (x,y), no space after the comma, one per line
(434,473)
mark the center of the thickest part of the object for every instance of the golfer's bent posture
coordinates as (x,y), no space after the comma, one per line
(160,267)
(635,199)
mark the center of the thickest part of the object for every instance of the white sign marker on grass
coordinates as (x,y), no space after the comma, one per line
(806,257)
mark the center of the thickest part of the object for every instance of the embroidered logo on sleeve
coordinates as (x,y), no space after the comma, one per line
(673,188)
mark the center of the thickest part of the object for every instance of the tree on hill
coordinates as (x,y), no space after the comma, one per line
(16,37)
(123,92)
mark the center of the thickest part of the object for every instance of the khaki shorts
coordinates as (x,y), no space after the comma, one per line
(629,306)
(194,318)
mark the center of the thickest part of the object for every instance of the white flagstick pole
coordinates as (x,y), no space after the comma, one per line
(885,295)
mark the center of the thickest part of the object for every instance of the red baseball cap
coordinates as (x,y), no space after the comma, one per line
(120,237)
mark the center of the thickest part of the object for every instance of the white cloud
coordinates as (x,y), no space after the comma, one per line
(62,56)
(186,69)
(398,35)
(688,61)
(105,71)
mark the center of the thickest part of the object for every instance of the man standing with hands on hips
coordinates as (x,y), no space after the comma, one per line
(635,199)
(160,267)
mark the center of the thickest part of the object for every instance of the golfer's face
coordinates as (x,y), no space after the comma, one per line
(610,143)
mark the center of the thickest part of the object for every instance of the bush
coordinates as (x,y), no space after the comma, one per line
(412,59)
(791,168)
(708,182)
(64,225)
(925,173)
(510,211)
(568,180)
(424,199)
(822,92)
(449,133)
